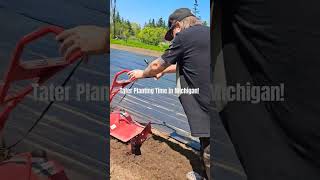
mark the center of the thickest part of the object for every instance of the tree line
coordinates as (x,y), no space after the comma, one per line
(151,33)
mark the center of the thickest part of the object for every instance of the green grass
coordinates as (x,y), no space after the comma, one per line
(138,44)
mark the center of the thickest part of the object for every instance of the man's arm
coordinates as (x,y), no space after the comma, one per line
(170,69)
(155,67)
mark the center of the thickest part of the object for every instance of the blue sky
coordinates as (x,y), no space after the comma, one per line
(140,11)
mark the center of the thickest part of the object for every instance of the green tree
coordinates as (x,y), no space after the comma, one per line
(150,35)
(136,28)
(130,30)
(114,16)
(196,9)
(153,24)
(118,18)
(149,24)
(161,23)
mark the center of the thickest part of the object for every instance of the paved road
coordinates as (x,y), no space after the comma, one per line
(74,132)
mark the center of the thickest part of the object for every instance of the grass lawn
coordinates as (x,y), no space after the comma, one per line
(138,44)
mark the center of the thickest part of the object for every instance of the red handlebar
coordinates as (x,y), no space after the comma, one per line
(40,70)
(117,85)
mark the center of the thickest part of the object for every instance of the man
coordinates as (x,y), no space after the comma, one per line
(271,42)
(189,57)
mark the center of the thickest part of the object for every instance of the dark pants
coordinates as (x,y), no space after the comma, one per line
(199,121)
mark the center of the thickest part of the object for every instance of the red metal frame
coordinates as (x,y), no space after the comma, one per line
(122,126)
(39,70)
(137,141)
(20,168)
(117,85)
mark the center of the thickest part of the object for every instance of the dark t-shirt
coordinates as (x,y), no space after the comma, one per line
(190,49)
(268,42)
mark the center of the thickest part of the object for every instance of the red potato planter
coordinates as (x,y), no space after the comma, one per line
(122,126)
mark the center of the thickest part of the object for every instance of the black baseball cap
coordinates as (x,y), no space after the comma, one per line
(177,15)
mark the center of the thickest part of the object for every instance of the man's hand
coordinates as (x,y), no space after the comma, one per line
(89,39)
(170,69)
(136,74)
(155,69)
(159,75)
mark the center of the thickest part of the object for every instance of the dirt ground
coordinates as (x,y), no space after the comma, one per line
(161,158)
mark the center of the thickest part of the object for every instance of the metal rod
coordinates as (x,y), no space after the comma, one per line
(147,62)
